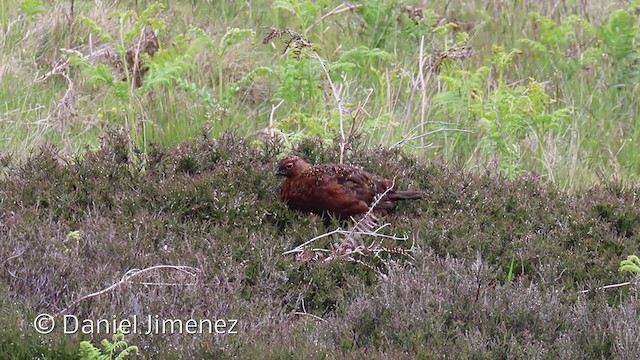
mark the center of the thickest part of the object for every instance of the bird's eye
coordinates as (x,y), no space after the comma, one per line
(289,165)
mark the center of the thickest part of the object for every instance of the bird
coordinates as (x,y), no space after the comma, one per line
(341,191)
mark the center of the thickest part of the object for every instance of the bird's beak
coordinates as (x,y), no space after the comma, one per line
(280,172)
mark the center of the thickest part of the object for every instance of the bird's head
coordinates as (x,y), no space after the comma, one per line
(291,166)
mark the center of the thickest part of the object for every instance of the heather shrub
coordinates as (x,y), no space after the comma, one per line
(495,270)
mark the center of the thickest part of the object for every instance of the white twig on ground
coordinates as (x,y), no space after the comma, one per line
(300,247)
(374,233)
(311,315)
(190,271)
(612,286)
(67,105)
(136,62)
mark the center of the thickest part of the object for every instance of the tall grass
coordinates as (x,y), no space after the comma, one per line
(548,88)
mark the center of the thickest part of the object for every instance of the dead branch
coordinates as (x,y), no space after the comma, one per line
(612,286)
(190,271)
(131,68)
(338,99)
(339,9)
(311,315)
(300,247)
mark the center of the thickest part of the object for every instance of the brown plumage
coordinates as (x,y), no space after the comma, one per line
(338,190)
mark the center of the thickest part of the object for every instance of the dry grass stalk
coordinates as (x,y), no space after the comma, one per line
(337,95)
(337,10)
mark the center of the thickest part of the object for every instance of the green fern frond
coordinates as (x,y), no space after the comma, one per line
(233,36)
(364,54)
(147,18)
(117,349)
(31,8)
(249,78)
(90,352)
(631,264)
(286,5)
(167,72)
(99,74)
(98,30)
(537,47)
(152,10)
(618,34)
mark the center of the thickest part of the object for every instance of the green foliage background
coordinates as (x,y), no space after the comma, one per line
(525,87)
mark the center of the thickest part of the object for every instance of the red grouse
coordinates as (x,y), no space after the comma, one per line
(338,190)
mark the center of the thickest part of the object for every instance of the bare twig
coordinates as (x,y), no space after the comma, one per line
(273,111)
(269,133)
(12,257)
(135,55)
(612,286)
(354,118)
(191,271)
(300,247)
(336,96)
(311,315)
(374,233)
(339,9)
(161,283)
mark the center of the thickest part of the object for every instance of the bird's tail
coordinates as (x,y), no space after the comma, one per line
(405,195)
